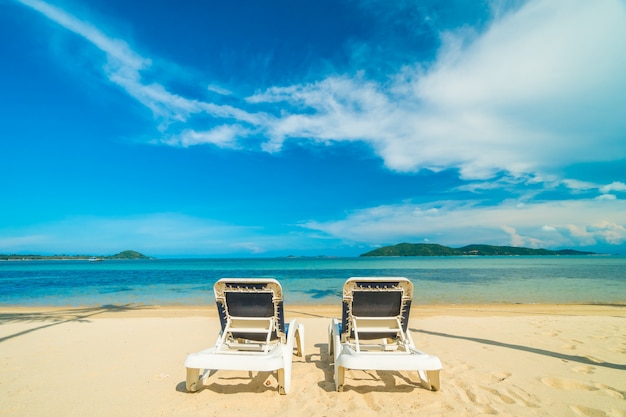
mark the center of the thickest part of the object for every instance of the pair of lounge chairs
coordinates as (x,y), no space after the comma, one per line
(371,335)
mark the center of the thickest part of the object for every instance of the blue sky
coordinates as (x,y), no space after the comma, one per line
(247,128)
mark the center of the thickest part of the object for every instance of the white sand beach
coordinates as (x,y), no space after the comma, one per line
(505,360)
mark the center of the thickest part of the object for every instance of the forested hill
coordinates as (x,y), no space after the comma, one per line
(429,249)
(127,254)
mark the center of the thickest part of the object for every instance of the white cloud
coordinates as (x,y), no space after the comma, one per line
(614,186)
(517,239)
(606,197)
(219,90)
(225,136)
(547,224)
(124,68)
(120,53)
(614,234)
(538,90)
(579,185)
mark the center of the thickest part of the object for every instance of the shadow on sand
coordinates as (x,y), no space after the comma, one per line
(61,316)
(580,359)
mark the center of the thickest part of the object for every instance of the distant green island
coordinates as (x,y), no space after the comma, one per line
(124,255)
(429,249)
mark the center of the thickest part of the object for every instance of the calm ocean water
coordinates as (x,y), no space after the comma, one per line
(437,280)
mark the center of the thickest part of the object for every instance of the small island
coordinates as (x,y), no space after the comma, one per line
(124,255)
(430,249)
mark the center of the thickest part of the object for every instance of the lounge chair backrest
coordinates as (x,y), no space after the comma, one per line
(376,304)
(252,298)
(376,297)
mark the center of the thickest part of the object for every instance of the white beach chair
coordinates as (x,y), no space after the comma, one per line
(254,336)
(372,333)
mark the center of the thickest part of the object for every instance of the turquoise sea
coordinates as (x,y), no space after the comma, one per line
(437,280)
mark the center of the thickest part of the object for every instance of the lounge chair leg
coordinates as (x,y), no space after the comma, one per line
(429,380)
(331,353)
(340,373)
(193,379)
(433,379)
(300,341)
(282,388)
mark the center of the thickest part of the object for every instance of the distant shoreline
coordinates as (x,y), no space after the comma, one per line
(125,255)
(433,249)
(14,258)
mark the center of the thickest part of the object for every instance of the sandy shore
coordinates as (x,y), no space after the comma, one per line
(505,360)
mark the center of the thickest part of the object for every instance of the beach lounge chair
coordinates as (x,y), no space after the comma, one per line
(253,336)
(372,333)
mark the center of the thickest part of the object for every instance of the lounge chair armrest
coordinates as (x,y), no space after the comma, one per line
(295,335)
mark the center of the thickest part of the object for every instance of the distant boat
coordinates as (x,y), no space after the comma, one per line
(94,259)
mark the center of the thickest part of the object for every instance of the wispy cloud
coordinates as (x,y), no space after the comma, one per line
(542,224)
(120,54)
(224,136)
(124,68)
(614,186)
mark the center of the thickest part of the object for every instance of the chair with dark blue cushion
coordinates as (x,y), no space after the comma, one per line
(373,331)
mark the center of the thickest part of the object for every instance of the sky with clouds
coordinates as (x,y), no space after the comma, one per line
(293,127)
